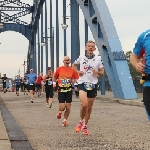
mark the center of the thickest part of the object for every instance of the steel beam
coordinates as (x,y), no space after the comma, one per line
(74,30)
(101,24)
(46,40)
(64,22)
(57,36)
(41,37)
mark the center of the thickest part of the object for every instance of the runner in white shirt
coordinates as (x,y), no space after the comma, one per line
(90,68)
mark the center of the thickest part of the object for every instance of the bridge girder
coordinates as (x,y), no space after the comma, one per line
(101,24)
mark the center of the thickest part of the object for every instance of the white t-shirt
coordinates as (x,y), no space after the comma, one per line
(76,83)
(87,65)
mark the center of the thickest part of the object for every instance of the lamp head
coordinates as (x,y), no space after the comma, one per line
(43,44)
(64,26)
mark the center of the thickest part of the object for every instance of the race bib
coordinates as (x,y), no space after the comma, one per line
(65,82)
(89,86)
(31,84)
(50,82)
(4,80)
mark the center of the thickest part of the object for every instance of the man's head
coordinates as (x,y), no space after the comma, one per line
(66,60)
(31,70)
(25,74)
(90,47)
(49,68)
(4,75)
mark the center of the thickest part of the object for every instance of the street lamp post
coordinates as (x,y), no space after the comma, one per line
(75,44)
(1,24)
(43,43)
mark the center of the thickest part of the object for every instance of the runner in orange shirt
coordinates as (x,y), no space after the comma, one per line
(64,74)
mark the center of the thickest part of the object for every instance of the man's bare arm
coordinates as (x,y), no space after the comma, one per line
(139,66)
(74,66)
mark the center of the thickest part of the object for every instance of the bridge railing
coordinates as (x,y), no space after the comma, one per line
(136,82)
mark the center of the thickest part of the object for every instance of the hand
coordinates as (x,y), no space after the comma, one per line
(140,67)
(54,85)
(95,72)
(80,73)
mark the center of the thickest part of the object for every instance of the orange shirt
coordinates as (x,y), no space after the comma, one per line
(65,75)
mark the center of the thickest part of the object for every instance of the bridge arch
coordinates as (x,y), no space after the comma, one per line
(23,29)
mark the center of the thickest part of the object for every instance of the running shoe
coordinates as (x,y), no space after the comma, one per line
(47,104)
(50,106)
(59,115)
(85,131)
(79,126)
(31,100)
(64,123)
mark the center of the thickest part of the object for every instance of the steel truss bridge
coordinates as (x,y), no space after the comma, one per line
(97,18)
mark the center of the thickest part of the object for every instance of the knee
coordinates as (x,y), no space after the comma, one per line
(89,109)
(62,108)
(84,106)
(68,107)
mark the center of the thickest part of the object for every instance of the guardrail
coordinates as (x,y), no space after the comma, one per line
(136,82)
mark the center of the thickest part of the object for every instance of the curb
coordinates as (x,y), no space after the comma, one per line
(121,101)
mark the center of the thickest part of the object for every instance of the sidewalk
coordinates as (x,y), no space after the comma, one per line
(109,96)
(4,139)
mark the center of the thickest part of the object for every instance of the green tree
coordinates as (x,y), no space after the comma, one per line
(133,71)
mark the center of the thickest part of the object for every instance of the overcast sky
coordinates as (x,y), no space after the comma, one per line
(131,17)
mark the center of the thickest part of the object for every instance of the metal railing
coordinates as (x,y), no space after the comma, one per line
(136,82)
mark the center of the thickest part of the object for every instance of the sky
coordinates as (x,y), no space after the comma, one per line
(130,18)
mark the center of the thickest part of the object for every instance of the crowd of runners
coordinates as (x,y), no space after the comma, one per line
(63,81)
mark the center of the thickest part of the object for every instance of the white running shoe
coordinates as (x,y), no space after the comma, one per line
(47,105)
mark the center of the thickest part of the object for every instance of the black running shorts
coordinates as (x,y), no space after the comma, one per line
(90,93)
(31,87)
(146,98)
(65,97)
(49,91)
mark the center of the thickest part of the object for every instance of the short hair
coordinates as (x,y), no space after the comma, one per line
(90,41)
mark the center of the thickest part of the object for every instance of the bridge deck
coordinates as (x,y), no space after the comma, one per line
(112,126)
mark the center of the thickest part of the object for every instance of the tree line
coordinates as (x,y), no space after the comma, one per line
(132,70)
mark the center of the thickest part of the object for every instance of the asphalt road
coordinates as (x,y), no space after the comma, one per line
(112,126)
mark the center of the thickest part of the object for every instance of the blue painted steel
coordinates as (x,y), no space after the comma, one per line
(57,35)
(34,54)
(64,22)
(38,34)
(24,8)
(51,37)
(24,30)
(86,32)
(32,57)
(101,24)
(46,40)
(41,7)
(74,30)
(102,84)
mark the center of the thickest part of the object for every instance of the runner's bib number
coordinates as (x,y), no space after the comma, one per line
(89,86)
(49,82)
(31,84)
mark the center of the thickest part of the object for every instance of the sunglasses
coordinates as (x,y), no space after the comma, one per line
(66,60)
